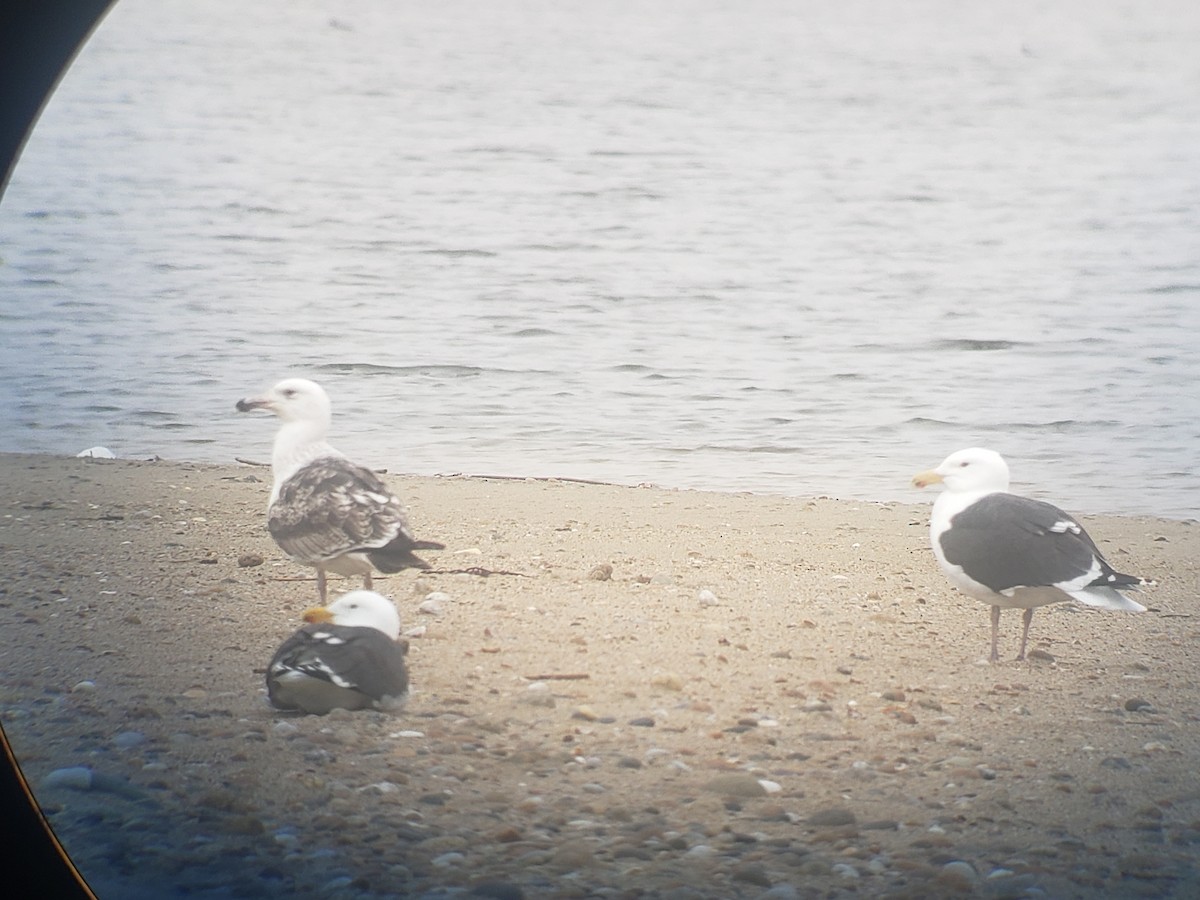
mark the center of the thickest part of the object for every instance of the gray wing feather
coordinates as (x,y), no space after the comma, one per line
(1005,541)
(332,507)
(364,660)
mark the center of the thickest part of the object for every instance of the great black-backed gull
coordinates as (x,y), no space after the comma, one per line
(326,511)
(348,656)
(1013,552)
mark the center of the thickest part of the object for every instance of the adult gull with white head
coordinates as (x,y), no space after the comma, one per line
(1013,552)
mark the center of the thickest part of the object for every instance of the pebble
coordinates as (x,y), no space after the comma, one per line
(434,604)
(736,785)
(602,572)
(1137,704)
(707,598)
(538,694)
(127,740)
(667,680)
(498,890)
(780,892)
(77,778)
(83,687)
(962,869)
(81,778)
(832,817)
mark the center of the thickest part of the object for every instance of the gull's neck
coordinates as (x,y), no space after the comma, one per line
(296,445)
(951,503)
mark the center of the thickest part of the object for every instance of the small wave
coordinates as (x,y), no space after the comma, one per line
(154,414)
(733,448)
(1174,289)
(974,344)
(248,238)
(536,332)
(456,253)
(442,371)
(428,370)
(1059,425)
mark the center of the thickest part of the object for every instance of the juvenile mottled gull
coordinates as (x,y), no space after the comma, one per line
(326,511)
(348,656)
(1014,552)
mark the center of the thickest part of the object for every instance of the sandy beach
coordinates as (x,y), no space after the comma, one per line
(654,693)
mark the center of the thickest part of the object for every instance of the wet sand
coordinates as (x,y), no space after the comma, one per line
(764,696)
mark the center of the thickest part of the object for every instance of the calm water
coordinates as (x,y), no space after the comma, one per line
(791,247)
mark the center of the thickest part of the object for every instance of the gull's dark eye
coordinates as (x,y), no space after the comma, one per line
(289,393)
(963,464)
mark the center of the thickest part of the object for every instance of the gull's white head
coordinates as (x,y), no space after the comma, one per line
(968,471)
(293,400)
(363,609)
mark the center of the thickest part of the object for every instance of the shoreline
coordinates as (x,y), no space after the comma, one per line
(763,693)
(920,498)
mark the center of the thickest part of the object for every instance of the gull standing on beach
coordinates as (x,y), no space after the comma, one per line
(1013,552)
(326,511)
(348,656)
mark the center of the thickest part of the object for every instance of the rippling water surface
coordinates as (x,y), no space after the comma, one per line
(791,247)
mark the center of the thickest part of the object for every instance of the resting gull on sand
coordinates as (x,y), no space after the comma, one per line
(1014,552)
(326,511)
(348,656)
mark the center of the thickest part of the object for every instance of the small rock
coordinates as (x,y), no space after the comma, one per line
(707,598)
(602,572)
(958,876)
(78,778)
(668,681)
(752,873)
(571,856)
(498,890)
(538,694)
(1137,704)
(249,560)
(127,740)
(780,892)
(642,722)
(833,817)
(434,604)
(736,785)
